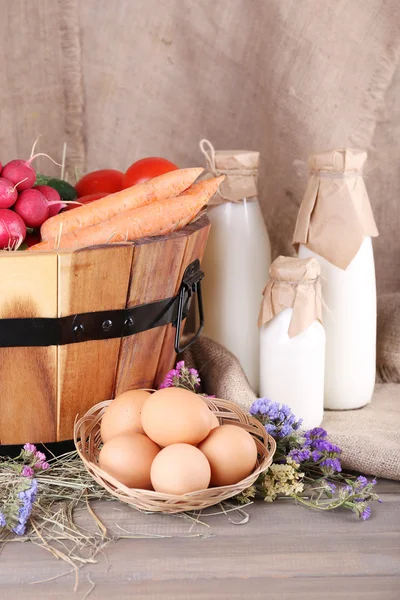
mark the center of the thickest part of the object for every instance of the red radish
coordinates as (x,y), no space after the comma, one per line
(53,198)
(33,207)
(12,230)
(21,173)
(8,193)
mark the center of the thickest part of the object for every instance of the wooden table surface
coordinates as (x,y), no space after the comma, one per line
(283,551)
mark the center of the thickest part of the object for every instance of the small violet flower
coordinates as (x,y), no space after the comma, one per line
(30,448)
(27,471)
(278,419)
(27,498)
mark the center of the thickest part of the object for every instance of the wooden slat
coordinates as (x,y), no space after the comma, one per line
(90,279)
(196,240)
(284,551)
(156,267)
(28,375)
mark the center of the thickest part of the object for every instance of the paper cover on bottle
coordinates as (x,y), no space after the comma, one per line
(335,215)
(240,168)
(294,283)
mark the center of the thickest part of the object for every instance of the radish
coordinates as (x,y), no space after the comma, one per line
(53,198)
(33,207)
(8,193)
(21,173)
(12,230)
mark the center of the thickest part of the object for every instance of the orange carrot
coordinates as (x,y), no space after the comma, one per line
(159,218)
(169,185)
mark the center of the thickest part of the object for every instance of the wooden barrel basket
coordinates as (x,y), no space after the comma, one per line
(80,327)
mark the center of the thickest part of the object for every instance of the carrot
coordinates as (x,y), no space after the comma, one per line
(160,218)
(168,185)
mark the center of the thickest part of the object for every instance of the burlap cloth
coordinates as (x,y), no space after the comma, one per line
(388,338)
(369,437)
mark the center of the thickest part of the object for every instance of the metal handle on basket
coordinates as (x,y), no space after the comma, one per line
(191,284)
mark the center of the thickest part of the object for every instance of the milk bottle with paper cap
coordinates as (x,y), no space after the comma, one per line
(237,257)
(292,338)
(335,224)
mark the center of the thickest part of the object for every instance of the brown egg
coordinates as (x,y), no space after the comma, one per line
(214,421)
(123,414)
(180,469)
(231,452)
(174,415)
(128,458)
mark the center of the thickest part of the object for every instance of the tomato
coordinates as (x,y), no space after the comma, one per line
(147,168)
(104,180)
(86,200)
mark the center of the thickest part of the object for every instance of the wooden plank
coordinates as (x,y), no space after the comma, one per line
(283,551)
(155,270)
(90,279)
(28,375)
(195,246)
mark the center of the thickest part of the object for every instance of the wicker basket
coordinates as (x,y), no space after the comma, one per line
(88,443)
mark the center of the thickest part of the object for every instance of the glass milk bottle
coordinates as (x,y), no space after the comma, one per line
(292,339)
(335,225)
(237,258)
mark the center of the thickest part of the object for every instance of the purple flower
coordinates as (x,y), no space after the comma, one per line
(45,466)
(195,376)
(278,419)
(361,482)
(2,520)
(27,498)
(317,432)
(331,486)
(366,513)
(40,456)
(316,455)
(28,471)
(168,381)
(180,365)
(330,466)
(299,455)
(31,448)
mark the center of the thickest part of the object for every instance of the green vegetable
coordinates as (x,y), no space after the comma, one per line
(66,191)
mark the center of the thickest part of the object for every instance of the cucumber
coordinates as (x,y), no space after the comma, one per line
(66,191)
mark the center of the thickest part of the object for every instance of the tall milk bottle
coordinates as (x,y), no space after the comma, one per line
(292,339)
(237,258)
(335,224)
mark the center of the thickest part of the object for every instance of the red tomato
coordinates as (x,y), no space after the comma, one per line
(147,168)
(105,180)
(86,200)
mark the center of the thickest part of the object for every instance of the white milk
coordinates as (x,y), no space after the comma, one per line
(236,263)
(350,325)
(292,369)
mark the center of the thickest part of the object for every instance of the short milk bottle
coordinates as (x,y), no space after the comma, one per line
(237,257)
(292,339)
(335,224)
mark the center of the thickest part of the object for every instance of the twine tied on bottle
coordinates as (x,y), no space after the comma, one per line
(240,168)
